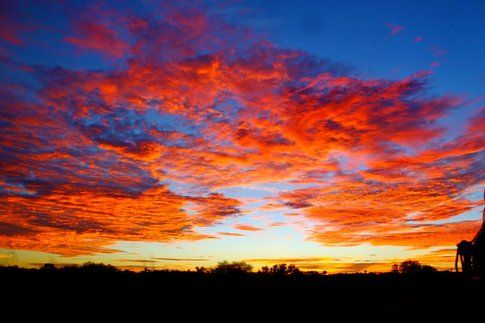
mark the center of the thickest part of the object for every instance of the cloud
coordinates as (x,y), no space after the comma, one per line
(12,24)
(71,222)
(392,201)
(437,51)
(141,150)
(246,227)
(418,39)
(10,229)
(439,55)
(230,234)
(290,260)
(393,29)
(98,37)
(181,259)
(138,260)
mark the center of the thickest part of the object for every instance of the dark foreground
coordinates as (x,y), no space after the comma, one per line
(188,296)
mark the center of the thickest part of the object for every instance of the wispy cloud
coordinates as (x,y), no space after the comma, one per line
(181,259)
(393,29)
(247,227)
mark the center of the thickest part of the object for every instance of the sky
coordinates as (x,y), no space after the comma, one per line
(334,135)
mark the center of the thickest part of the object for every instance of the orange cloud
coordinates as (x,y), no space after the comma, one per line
(141,151)
(246,227)
(72,222)
(392,200)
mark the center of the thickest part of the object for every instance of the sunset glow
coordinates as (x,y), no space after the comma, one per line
(168,135)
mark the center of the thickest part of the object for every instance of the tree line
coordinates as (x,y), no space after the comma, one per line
(227,268)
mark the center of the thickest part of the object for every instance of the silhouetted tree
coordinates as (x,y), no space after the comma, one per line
(280,270)
(395,269)
(94,267)
(48,267)
(235,267)
(411,267)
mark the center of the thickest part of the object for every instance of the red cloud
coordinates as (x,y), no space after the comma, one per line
(12,24)
(392,201)
(200,105)
(99,37)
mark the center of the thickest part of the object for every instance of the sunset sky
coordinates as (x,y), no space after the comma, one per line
(334,135)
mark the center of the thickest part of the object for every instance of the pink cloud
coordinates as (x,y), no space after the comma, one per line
(99,37)
(418,39)
(393,29)
(437,51)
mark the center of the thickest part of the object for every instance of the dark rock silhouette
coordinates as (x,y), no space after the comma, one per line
(479,247)
(472,253)
(464,253)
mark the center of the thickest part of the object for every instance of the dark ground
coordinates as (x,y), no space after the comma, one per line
(188,296)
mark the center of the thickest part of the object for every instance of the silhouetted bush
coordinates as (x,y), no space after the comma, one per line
(99,268)
(235,267)
(281,270)
(411,267)
(428,269)
(48,267)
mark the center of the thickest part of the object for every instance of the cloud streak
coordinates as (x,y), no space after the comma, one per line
(393,29)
